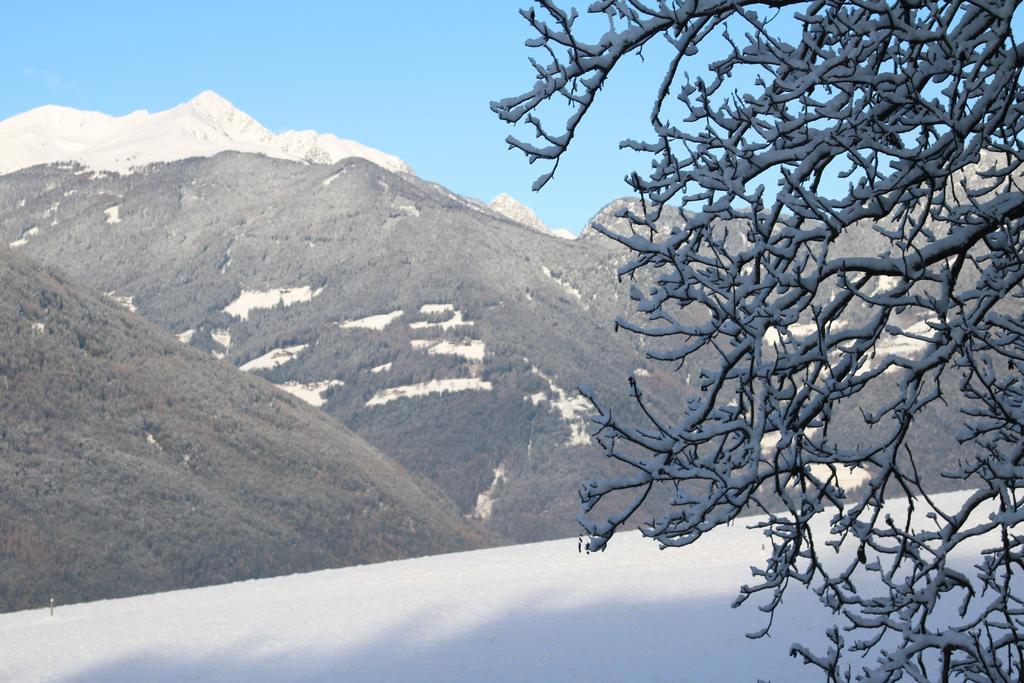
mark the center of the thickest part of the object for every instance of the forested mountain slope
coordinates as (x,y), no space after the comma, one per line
(447,335)
(132,463)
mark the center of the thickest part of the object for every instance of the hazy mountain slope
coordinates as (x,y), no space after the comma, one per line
(448,336)
(205,125)
(512,318)
(131,463)
(933,434)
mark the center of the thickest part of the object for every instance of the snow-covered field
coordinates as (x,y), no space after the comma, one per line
(539,612)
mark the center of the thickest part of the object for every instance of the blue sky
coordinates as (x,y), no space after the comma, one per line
(410,78)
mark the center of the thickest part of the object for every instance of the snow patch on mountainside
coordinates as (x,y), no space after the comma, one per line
(251,299)
(113,215)
(326,182)
(572,409)
(204,126)
(565,285)
(222,337)
(434,386)
(23,240)
(312,393)
(123,301)
(371,322)
(485,500)
(470,349)
(797,332)
(317,148)
(271,359)
(847,478)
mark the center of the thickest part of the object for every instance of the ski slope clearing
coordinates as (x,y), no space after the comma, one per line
(538,612)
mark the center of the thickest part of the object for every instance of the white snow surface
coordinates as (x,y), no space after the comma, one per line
(432,309)
(204,126)
(470,349)
(324,148)
(434,386)
(271,359)
(251,299)
(564,234)
(312,393)
(485,500)
(23,240)
(537,612)
(113,215)
(372,322)
(121,300)
(847,478)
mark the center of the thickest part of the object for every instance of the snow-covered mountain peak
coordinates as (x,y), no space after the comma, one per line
(208,100)
(205,125)
(521,213)
(233,122)
(517,211)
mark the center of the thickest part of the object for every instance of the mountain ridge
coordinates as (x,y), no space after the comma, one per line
(448,336)
(204,126)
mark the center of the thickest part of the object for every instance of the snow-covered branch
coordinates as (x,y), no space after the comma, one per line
(879,278)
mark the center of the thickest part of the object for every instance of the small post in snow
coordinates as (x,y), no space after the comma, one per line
(51,606)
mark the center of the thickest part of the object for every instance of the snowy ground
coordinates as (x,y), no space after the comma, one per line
(539,612)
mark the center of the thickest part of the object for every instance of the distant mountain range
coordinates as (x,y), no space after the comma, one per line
(205,125)
(449,336)
(448,333)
